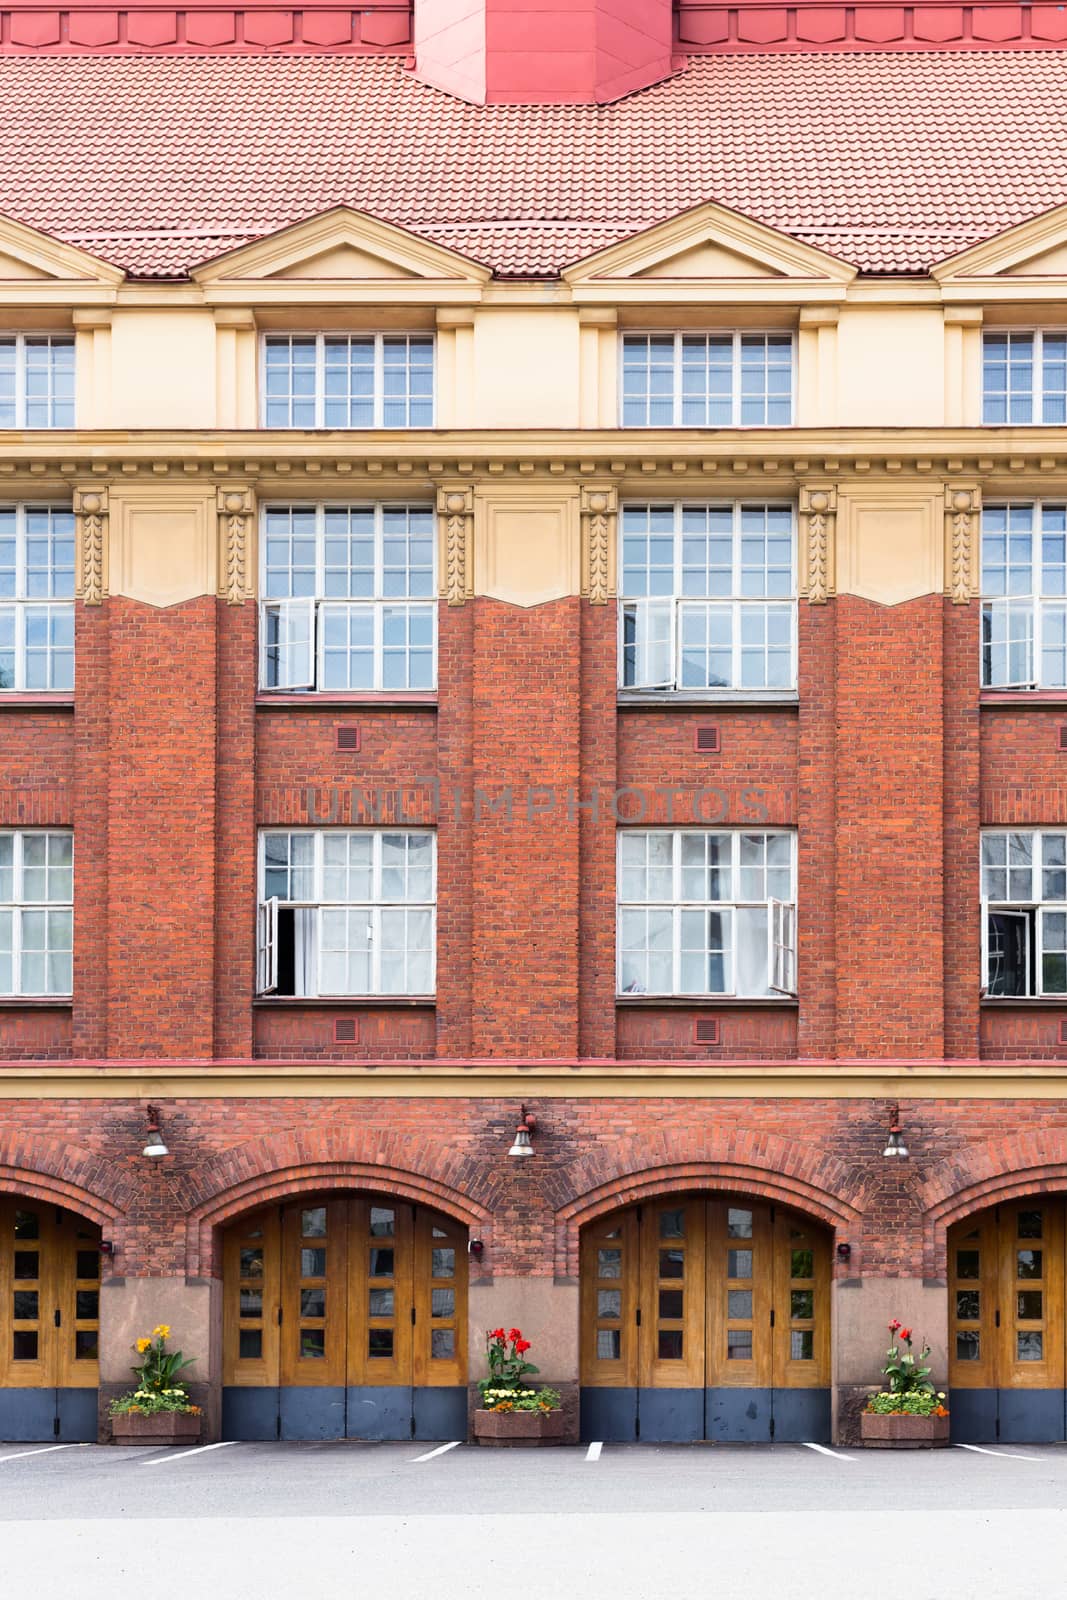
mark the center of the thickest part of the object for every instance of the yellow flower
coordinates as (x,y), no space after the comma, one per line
(162,1332)
(143,1345)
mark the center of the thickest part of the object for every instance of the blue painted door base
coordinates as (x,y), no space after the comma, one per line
(385,1412)
(48,1416)
(1008,1416)
(723,1416)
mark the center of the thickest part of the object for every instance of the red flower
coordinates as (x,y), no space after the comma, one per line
(905,1333)
(894,1325)
(521,1346)
(497,1333)
(516,1333)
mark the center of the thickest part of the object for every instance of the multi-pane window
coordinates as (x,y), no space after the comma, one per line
(707,597)
(36,912)
(1024,596)
(1024,377)
(347,912)
(36,380)
(348,598)
(1024,912)
(706,913)
(36,597)
(341,380)
(707,380)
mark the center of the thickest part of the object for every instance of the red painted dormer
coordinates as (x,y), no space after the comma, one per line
(563,52)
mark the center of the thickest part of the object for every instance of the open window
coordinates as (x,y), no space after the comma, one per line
(1024,914)
(783,947)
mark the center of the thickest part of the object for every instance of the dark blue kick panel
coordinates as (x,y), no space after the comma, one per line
(367,1412)
(724,1416)
(1008,1416)
(32,1416)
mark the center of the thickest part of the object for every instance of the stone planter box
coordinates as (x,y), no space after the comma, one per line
(502,1429)
(166,1427)
(903,1433)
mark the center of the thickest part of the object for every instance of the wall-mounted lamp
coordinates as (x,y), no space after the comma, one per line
(527,1124)
(895,1146)
(844,1252)
(107,1248)
(475,1248)
(154,1146)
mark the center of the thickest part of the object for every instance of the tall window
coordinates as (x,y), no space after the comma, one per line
(347,912)
(36,912)
(706,913)
(36,598)
(1024,596)
(707,380)
(1024,377)
(707,597)
(339,380)
(1024,912)
(348,598)
(36,380)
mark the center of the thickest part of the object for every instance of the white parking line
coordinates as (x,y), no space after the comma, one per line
(439,1451)
(19,1454)
(835,1455)
(593,1453)
(1002,1455)
(180,1455)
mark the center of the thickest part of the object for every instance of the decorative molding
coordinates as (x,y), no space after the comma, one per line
(600,509)
(235,507)
(455,508)
(91,521)
(818,541)
(963,507)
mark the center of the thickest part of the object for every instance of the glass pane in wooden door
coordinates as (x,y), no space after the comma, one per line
(973,1296)
(314,1283)
(251,1284)
(801,1331)
(671,1334)
(609,1279)
(78,1302)
(380,1303)
(739,1272)
(440,1283)
(1031,1295)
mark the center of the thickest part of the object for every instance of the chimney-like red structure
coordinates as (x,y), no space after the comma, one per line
(565,52)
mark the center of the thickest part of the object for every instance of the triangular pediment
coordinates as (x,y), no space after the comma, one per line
(707,246)
(28,256)
(342,247)
(1036,250)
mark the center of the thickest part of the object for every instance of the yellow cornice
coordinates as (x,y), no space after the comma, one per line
(547,1080)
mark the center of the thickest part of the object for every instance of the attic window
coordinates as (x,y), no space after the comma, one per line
(370,380)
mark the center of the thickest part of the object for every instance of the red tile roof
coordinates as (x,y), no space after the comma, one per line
(889,161)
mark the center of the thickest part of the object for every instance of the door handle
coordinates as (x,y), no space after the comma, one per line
(57,1316)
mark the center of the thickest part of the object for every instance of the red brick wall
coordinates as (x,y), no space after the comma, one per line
(889,827)
(962,801)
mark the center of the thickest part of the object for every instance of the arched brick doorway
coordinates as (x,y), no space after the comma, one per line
(344,1316)
(705,1316)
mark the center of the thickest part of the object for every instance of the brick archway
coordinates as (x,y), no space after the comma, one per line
(788,1189)
(272,1169)
(68,1176)
(985,1175)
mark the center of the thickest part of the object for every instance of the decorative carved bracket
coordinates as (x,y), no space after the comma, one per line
(818,542)
(236,508)
(455,508)
(963,508)
(91,522)
(600,509)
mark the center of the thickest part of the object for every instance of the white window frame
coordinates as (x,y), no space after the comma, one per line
(307,611)
(781,916)
(268,909)
(676,603)
(380,337)
(1037,390)
(21,337)
(21,603)
(18,905)
(1032,605)
(1034,910)
(736,334)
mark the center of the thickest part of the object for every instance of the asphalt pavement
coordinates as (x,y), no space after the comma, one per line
(456,1522)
